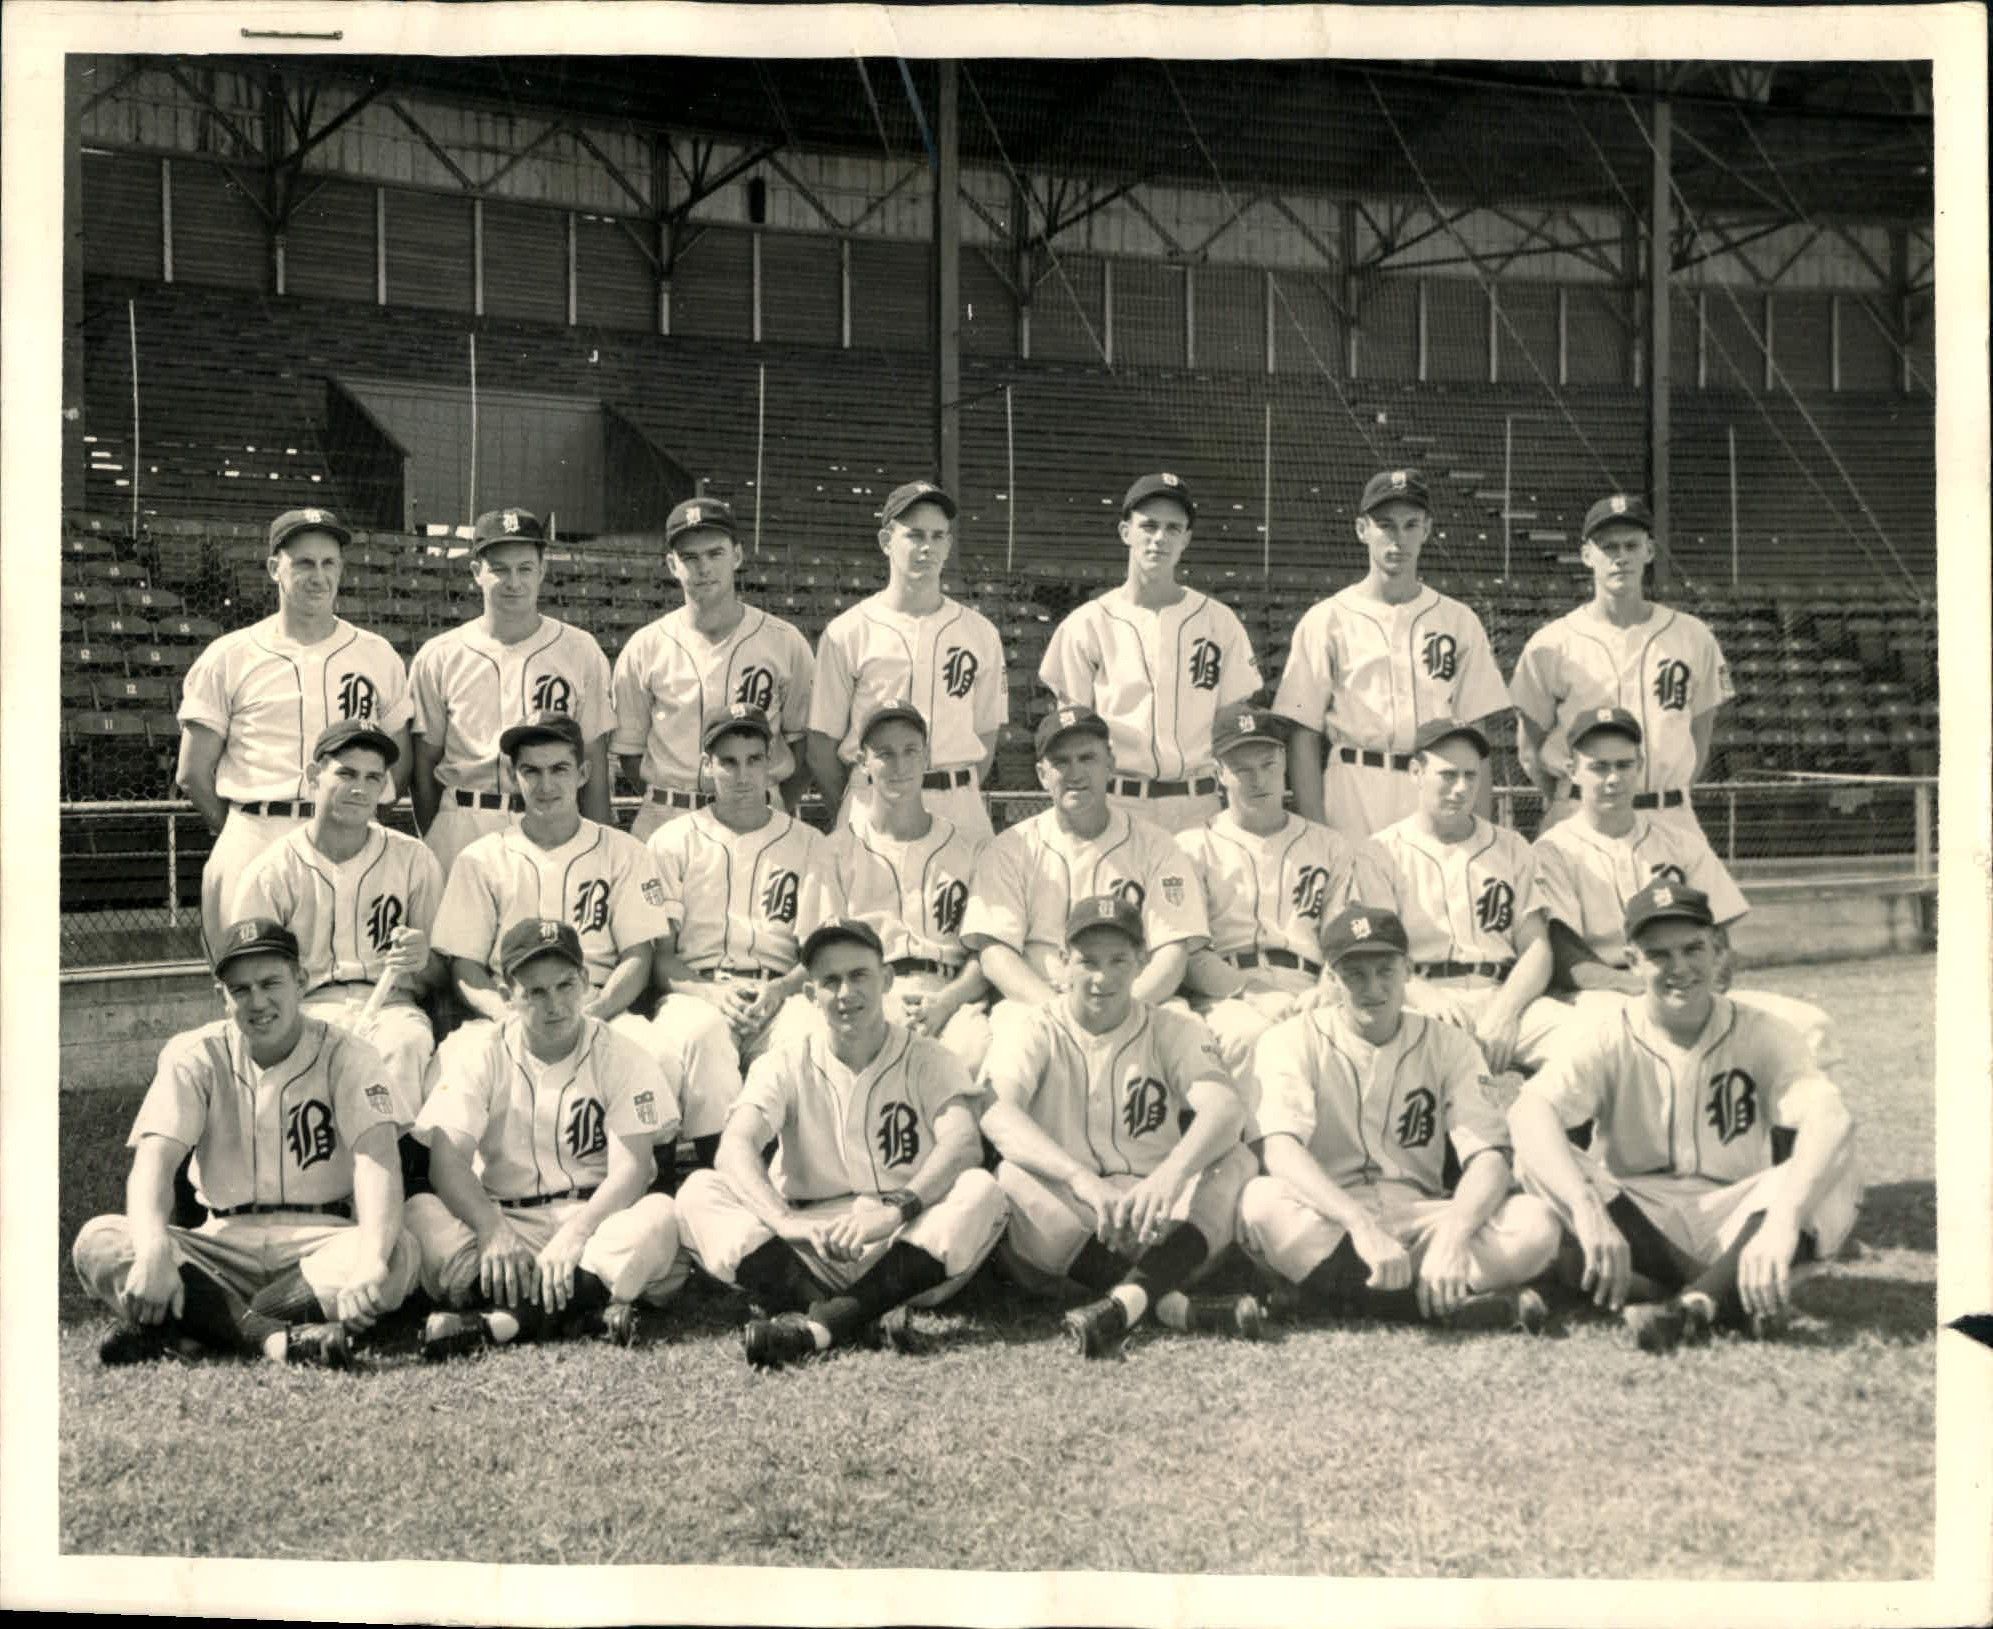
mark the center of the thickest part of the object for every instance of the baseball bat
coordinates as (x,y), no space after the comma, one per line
(383,988)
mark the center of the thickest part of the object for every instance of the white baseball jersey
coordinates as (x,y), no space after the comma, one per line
(1275,892)
(912,894)
(1377,1113)
(670,677)
(470,688)
(344,912)
(1156,676)
(1115,1102)
(1367,674)
(1702,1110)
(1584,878)
(737,899)
(601,882)
(841,1131)
(1030,876)
(271,1136)
(949,663)
(270,698)
(1460,902)
(539,1126)
(1665,672)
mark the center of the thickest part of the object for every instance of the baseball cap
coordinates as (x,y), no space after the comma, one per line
(740,715)
(695,513)
(1436,730)
(1161,486)
(496,526)
(1239,721)
(1362,928)
(1618,509)
(1406,484)
(1665,900)
(355,732)
(255,936)
(538,936)
(903,498)
(1107,911)
(840,930)
(547,726)
(1066,721)
(292,521)
(1594,719)
(903,711)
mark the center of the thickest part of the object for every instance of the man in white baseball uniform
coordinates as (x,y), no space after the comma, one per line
(1270,881)
(874,1201)
(473,682)
(1030,877)
(256,699)
(1358,1104)
(1619,649)
(911,642)
(1119,1134)
(1684,1215)
(1590,866)
(905,874)
(1155,659)
(690,663)
(1466,893)
(293,1131)
(541,1131)
(361,900)
(1369,665)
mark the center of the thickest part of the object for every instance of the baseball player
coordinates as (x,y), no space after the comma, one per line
(1465,892)
(690,663)
(361,900)
(1682,1185)
(474,681)
(1619,649)
(256,699)
(1357,1106)
(1369,665)
(874,1200)
(553,1226)
(1119,1134)
(1029,879)
(292,1127)
(911,642)
(1270,880)
(1155,659)
(1589,866)
(906,875)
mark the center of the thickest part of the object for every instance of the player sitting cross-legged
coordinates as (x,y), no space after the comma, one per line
(1683,1215)
(1357,1106)
(540,1130)
(293,1131)
(874,1200)
(1119,1131)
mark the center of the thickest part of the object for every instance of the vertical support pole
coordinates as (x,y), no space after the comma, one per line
(1508,485)
(173,870)
(1702,339)
(760,444)
(74,423)
(1660,235)
(477,257)
(1897,294)
(1730,431)
(660,191)
(1424,334)
(1190,322)
(1926,863)
(844,292)
(1563,335)
(948,276)
(1009,486)
(754,285)
(137,452)
(1494,334)
(166,220)
(1350,291)
(573,301)
(1266,478)
(1269,321)
(1730,828)
(1834,342)
(380,246)
(1770,374)
(1107,311)
(471,512)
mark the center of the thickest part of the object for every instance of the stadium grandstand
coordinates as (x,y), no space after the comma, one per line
(410,289)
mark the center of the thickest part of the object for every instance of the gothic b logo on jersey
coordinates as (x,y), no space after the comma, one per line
(552,694)
(591,906)
(383,917)
(958,672)
(1416,1120)
(1733,1104)
(308,1133)
(1671,871)
(1130,890)
(1311,891)
(778,898)
(1441,656)
(756,688)
(586,1130)
(1143,1109)
(357,696)
(950,900)
(1495,906)
(898,1135)
(1671,685)
(1205,664)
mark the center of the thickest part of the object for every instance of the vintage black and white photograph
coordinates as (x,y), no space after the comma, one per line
(1047,803)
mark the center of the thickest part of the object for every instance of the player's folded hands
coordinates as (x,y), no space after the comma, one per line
(1497,1032)
(863,1226)
(153,1291)
(1390,1266)
(507,1272)
(1144,1209)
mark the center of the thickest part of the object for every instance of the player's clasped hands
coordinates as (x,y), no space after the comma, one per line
(1140,1214)
(557,1263)
(154,1291)
(1497,1032)
(507,1271)
(1390,1266)
(852,1234)
(409,953)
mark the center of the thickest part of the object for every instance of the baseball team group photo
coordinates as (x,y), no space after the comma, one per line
(1133,816)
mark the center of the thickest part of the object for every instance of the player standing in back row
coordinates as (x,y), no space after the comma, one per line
(1372,663)
(1156,660)
(911,642)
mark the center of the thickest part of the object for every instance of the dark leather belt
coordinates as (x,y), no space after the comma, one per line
(921,964)
(332,1207)
(1128,786)
(486,800)
(1462,970)
(1374,760)
(938,780)
(1273,958)
(283,811)
(761,974)
(1648,800)
(534,1201)
(672,798)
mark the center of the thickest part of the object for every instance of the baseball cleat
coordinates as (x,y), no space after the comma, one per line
(772,1342)
(896,1333)
(1764,1326)
(318,1346)
(1098,1328)
(453,1334)
(1239,1315)
(619,1323)
(1657,1326)
(146,1343)
(1532,1312)
(1698,1318)
(1501,1309)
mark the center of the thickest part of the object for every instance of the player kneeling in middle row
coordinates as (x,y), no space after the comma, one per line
(1357,1105)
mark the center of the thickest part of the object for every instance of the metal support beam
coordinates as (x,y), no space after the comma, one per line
(1660,209)
(948,277)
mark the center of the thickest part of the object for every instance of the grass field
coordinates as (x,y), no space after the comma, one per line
(1333,1450)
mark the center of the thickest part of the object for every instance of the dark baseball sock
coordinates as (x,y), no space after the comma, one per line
(775,1276)
(1335,1280)
(1097,1268)
(589,1296)
(414,1165)
(1653,1256)
(705,1150)
(1170,1260)
(664,1178)
(188,1211)
(212,1315)
(279,1304)
(1718,1280)
(903,1272)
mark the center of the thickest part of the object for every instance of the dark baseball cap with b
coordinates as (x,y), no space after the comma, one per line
(355,732)
(1595,719)
(840,930)
(739,715)
(903,498)
(1620,509)
(293,521)
(1665,900)
(900,712)
(1066,721)
(1363,929)
(1161,485)
(496,526)
(700,514)
(538,936)
(1401,485)
(1238,722)
(255,936)
(1436,730)
(546,726)
(1114,911)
